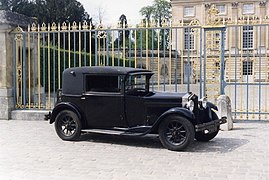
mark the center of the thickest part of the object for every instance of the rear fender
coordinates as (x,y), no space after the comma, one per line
(63,106)
(175,111)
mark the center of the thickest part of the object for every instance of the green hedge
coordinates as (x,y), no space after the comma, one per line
(74,62)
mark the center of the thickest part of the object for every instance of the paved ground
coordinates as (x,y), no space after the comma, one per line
(32,150)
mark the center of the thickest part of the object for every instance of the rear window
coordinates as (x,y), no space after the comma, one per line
(96,83)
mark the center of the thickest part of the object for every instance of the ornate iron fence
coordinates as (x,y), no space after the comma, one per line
(224,56)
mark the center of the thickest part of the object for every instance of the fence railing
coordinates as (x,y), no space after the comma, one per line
(229,57)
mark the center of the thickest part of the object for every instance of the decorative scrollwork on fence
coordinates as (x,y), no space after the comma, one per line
(101,34)
(212,18)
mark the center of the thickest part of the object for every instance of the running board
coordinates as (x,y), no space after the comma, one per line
(111,132)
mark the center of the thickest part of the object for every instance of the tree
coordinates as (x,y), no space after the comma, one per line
(123,33)
(162,10)
(24,7)
(159,11)
(147,12)
(123,25)
(48,11)
(4,4)
(142,35)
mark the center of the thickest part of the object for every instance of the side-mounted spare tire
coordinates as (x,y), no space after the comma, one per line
(68,125)
(201,136)
(176,133)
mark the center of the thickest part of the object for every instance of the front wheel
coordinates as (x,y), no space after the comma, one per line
(201,136)
(176,133)
(68,125)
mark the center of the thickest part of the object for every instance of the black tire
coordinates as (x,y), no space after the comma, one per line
(176,133)
(201,136)
(68,125)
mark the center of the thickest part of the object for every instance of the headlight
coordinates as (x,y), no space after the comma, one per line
(203,102)
(190,105)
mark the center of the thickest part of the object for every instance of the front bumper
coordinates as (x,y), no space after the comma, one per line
(211,126)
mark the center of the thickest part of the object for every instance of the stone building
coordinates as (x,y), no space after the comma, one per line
(246,38)
(197,9)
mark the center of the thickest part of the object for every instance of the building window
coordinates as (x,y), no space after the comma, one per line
(247,37)
(248,9)
(247,68)
(222,9)
(188,39)
(189,11)
(217,39)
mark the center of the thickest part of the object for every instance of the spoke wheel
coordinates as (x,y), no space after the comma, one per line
(176,133)
(201,136)
(68,125)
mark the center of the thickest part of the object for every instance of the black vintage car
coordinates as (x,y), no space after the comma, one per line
(118,100)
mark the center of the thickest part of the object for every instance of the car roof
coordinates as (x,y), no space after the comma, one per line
(115,70)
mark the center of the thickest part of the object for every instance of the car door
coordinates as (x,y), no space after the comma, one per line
(135,110)
(135,90)
(104,101)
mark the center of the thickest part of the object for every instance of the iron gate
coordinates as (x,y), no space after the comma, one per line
(222,57)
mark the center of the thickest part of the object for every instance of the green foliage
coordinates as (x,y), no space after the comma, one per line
(143,35)
(162,10)
(48,11)
(4,4)
(50,65)
(159,11)
(147,12)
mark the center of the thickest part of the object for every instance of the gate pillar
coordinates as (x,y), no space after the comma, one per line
(8,21)
(5,74)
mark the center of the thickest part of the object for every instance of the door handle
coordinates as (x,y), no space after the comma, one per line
(83,98)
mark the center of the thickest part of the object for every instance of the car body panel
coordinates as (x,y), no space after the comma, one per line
(122,101)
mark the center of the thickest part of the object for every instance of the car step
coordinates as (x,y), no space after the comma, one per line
(112,132)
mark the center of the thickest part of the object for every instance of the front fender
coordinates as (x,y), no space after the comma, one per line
(63,106)
(211,106)
(208,110)
(175,111)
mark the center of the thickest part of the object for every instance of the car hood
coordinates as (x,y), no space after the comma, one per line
(165,97)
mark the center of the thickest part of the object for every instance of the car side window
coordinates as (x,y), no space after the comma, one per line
(104,83)
(136,82)
(137,85)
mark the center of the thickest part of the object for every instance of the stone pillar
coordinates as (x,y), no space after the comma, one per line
(5,72)
(235,10)
(8,21)
(262,8)
(225,110)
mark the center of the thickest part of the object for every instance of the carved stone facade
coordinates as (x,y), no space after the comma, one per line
(230,8)
(244,46)
(244,39)
(235,4)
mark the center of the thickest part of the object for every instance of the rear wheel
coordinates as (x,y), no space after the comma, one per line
(201,136)
(68,125)
(176,133)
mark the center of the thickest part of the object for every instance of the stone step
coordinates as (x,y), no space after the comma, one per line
(29,115)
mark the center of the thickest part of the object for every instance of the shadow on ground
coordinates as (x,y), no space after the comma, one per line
(219,145)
